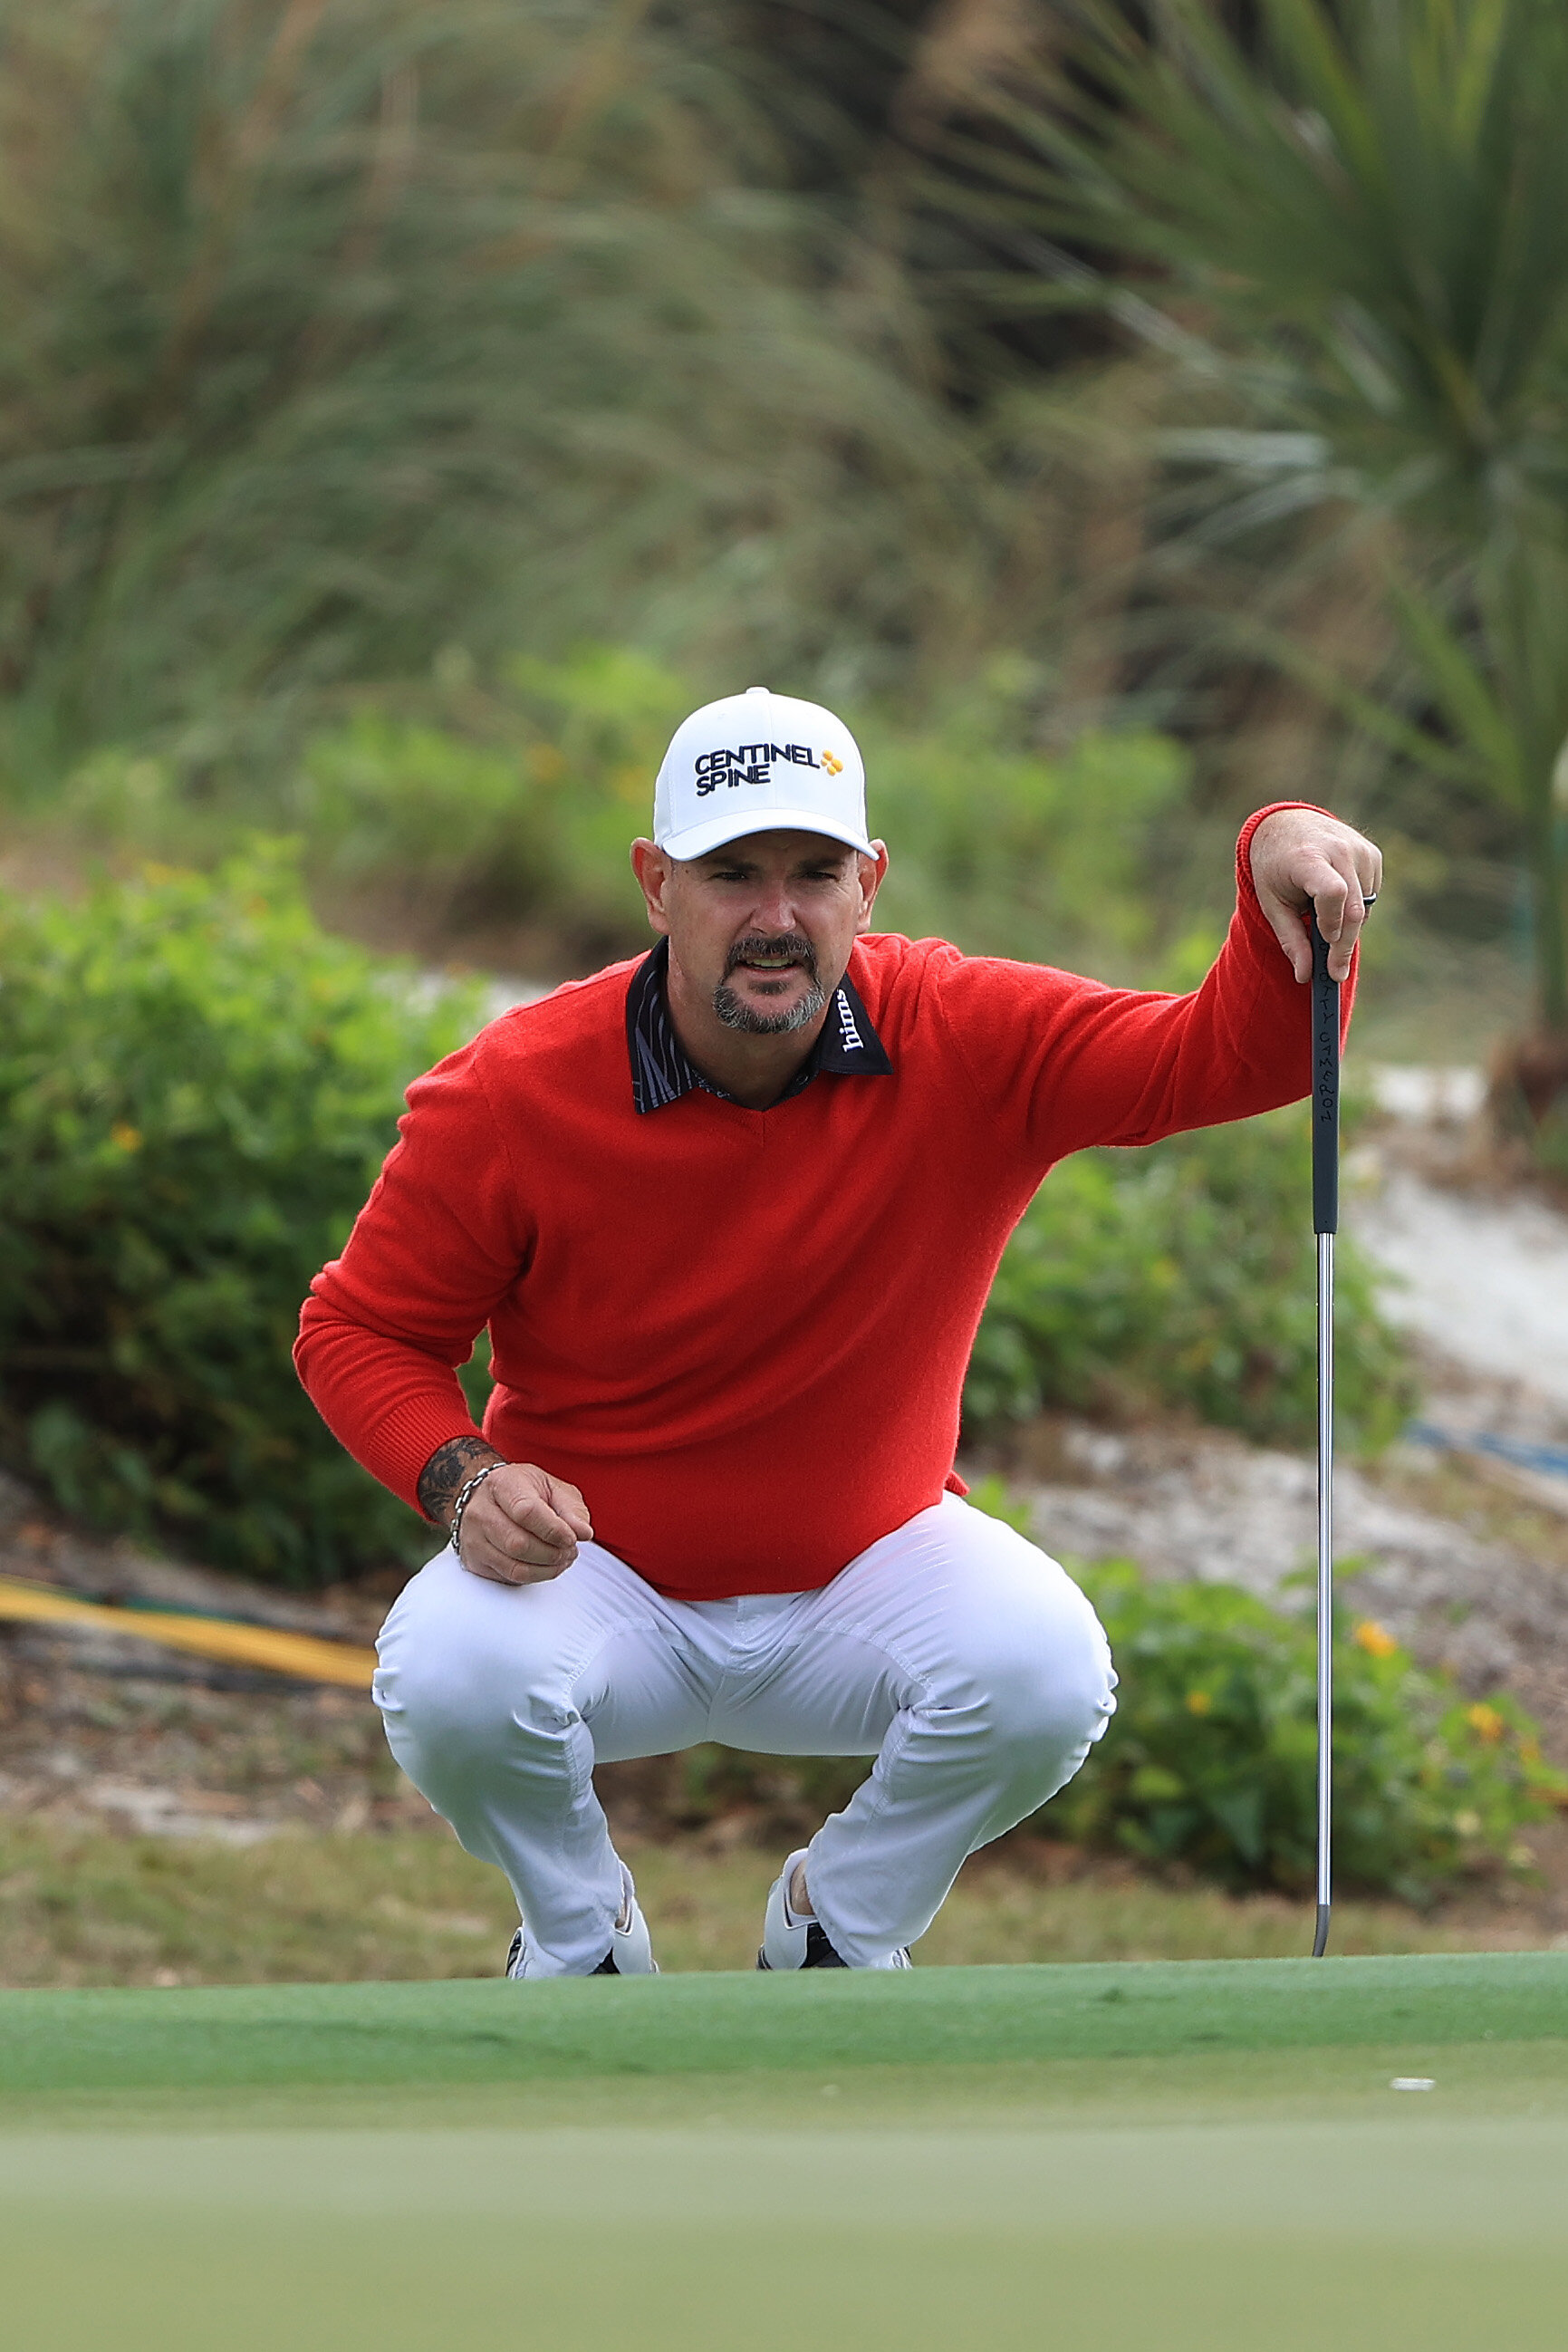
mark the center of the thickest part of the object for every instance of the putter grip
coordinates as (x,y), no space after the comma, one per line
(1325,1088)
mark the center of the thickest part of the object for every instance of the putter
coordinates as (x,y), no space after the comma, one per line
(1325,1224)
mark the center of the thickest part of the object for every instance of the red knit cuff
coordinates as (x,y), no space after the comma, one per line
(406,1438)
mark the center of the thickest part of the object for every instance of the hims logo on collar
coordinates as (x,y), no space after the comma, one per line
(752,762)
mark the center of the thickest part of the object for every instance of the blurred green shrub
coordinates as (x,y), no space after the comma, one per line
(1210,1759)
(512,803)
(197,1088)
(507,800)
(517,799)
(1008,850)
(1184,1275)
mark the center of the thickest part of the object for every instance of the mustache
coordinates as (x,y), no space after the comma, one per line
(787,943)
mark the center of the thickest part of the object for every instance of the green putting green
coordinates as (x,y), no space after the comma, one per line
(1208,2156)
(489,2031)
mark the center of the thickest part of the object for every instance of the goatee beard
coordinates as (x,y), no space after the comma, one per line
(736,1013)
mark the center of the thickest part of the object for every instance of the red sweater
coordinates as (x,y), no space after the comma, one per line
(744,1334)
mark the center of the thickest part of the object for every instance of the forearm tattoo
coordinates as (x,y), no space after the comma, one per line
(448,1470)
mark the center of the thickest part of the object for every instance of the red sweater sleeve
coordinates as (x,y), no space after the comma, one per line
(443,1237)
(1062,1063)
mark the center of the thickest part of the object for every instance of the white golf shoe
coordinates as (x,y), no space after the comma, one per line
(631,1952)
(790,1942)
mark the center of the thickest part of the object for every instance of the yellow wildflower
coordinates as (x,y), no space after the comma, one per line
(1486,1720)
(1198,1703)
(1375,1639)
(125,1139)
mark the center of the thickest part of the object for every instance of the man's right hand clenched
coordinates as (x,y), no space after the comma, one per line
(523,1527)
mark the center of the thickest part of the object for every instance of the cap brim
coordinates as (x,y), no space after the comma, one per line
(696,840)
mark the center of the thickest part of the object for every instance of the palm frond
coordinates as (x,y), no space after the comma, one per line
(1346,234)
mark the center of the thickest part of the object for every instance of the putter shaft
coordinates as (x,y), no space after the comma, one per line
(1325,1588)
(1325,1223)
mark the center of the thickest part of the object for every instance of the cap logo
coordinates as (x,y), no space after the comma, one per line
(752,763)
(835,767)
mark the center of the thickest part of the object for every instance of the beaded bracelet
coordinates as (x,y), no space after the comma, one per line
(464,1495)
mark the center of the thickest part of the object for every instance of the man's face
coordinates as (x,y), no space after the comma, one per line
(763,928)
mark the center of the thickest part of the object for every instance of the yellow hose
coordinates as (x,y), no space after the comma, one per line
(301,1655)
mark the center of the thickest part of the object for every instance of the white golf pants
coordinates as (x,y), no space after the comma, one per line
(962,1658)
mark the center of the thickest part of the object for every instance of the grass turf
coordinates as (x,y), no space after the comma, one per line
(489,2031)
(1205,2155)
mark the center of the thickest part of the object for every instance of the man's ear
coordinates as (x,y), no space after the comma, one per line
(872,875)
(654,872)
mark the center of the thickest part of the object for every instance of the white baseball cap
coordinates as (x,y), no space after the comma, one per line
(758,762)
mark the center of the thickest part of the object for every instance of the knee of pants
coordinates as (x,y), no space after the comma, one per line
(459,1700)
(1045,1691)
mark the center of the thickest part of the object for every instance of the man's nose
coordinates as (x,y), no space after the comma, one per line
(774,909)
